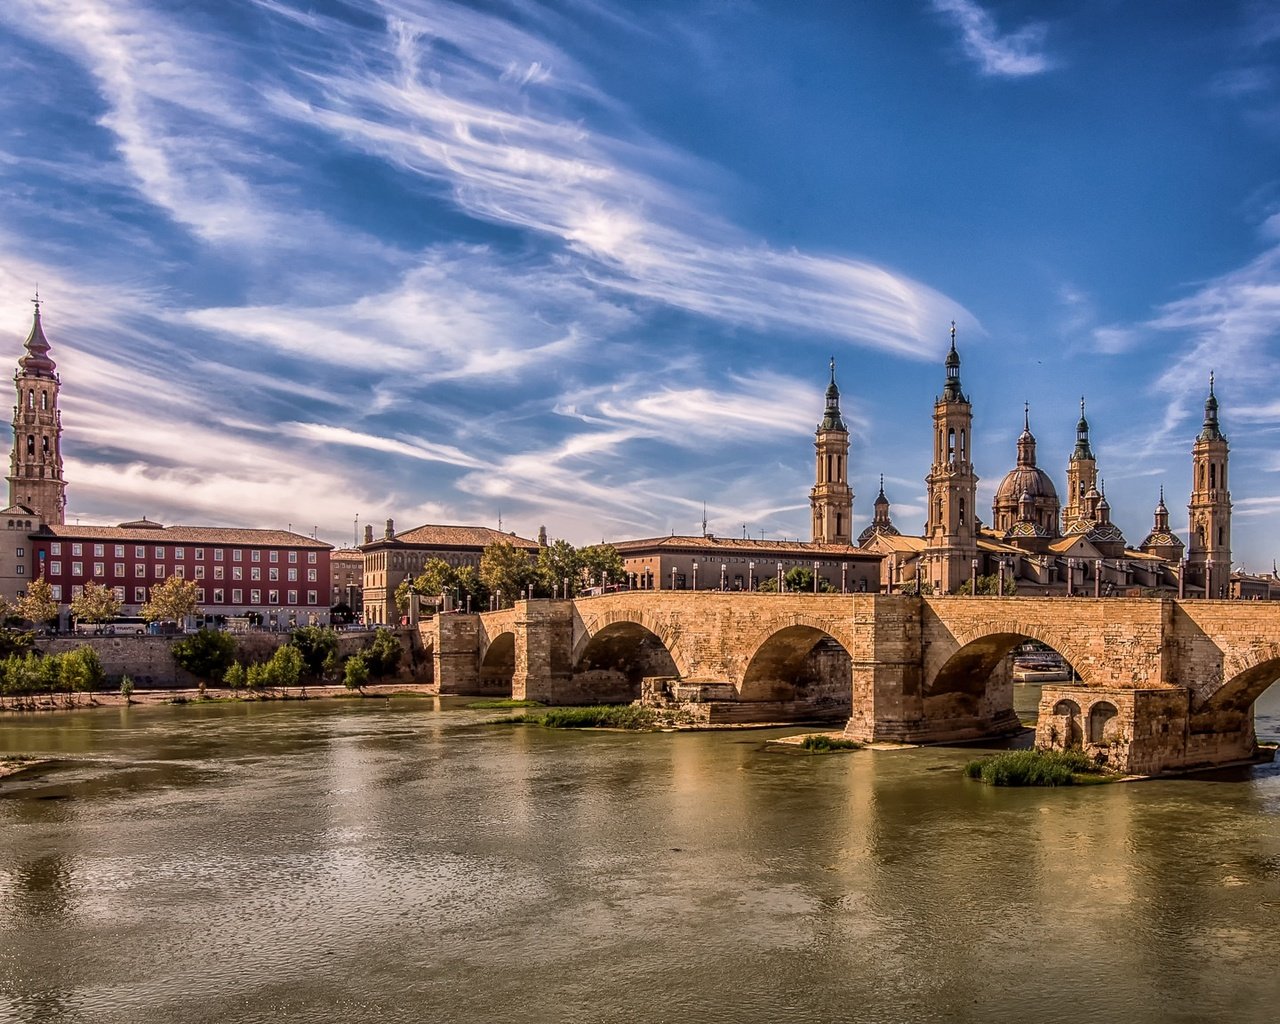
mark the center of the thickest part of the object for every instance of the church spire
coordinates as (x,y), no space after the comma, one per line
(952,392)
(1211,431)
(37,362)
(1083,449)
(1026,440)
(832,420)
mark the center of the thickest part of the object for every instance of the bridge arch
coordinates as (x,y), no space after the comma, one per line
(1245,677)
(801,661)
(610,661)
(498,664)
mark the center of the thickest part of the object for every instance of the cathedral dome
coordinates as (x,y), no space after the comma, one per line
(1029,480)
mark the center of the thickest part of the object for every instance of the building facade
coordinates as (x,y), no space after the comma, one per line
(281,576)
(831,499)
(35,467)
(346,579)
(395,557)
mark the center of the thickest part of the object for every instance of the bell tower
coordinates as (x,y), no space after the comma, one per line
(831,499)
(951,531)
(1082,474)
(1209,554)
(35,475)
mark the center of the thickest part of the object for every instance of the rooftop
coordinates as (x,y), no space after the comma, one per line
(154,533)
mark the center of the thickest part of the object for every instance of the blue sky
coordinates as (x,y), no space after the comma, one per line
(583,263)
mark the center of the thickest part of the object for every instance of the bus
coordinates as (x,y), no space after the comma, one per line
(123,625)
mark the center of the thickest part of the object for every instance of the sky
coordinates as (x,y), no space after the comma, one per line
(583,263)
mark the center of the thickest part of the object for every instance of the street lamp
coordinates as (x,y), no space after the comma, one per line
(673,577)
(1000,582)
(724,568)
(751,576)
(1071,576)
(844,577)
(1182,579)
(1208,578)
(816,566)
(695,574)
(973,579)
(781,584)
(1097,578)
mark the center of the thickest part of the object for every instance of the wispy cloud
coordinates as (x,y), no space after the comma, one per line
(1011,55)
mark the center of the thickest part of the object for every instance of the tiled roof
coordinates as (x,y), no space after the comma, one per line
(185,535)
(744,545)
(897,543)
(346,555)
(434,536)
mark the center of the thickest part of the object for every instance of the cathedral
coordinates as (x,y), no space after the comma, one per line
(1035,544)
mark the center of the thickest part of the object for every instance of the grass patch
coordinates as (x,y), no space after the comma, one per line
(597,716)
(819,744)
(1035,768)
(505,702)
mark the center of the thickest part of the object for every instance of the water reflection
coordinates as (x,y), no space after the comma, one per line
(358,861)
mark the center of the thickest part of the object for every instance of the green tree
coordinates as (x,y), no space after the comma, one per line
(356,673)
(470,585)
(506,571)
(37,604)
(557,562)
(382,656)
(315,644)
(234,678)
(95,603)
(126,689)
(206,654)
(285,667)
(171,600)
(800,581)
(602,565)
(256,677)
(989,585)
(332,667)
(80,670)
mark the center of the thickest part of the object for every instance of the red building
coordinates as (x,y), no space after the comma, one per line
(236,572)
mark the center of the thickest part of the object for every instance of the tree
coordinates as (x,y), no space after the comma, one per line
(234,678)
(557,562)
(80,670)
(602,565)
(95,603)
(171,601)
(383,654)
(206,654)
(285,667)
(37,604)
(506,571)
(315,644)
(989,585)
(356,673)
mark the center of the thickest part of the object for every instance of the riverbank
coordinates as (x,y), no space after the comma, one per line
(81,701)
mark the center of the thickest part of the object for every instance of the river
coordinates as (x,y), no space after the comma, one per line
(367,861)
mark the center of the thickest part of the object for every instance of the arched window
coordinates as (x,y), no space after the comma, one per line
(44,400)
(938,518)
(1213,476)
(31,399)
(1222,536)
(964,449)
(951,445)
(44,445)
(1099,715)
(31,444)
(962,511)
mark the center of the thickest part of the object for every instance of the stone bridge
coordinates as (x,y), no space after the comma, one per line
(1160,684)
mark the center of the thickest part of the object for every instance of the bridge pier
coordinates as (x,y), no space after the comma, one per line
(455,646)
(544,646)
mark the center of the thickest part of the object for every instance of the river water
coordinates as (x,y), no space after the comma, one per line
(344,861)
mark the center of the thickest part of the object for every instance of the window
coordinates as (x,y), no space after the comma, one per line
(55,548)
(311,558)
(256,555)
(20,552)
(293,575)
(159,572)
(180,571)
(273,574)
(218,572)
(311,575)
(199,572)
(255,573)
(237,555)
(200,595)
(139,551)
(311,597)
(77,550)
(57,592)
(237,596)
(119,551)
(217,595)
(76,590)
(118,594)
(237,573)
(217,554)
(139,595)
(293,597)
(119,568)
(255,597)
(55,568)
(139,570)
(273,597)
(274,556)
(22,570)
(179,552)
(199,554)
(159,551)
(293,556)
(99,570)
(99,550)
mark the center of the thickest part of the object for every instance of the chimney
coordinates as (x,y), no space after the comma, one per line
(368,533)
(390,531)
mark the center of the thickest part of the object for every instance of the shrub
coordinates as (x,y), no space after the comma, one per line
(383,654)
(256,677)
(315,644)
(234,677)
(1032,768)
(80,670)
(285,667)
(600,716)
(126,688)
(206,654)
(823,744)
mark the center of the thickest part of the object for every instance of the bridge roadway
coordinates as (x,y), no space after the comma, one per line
(1162,684)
